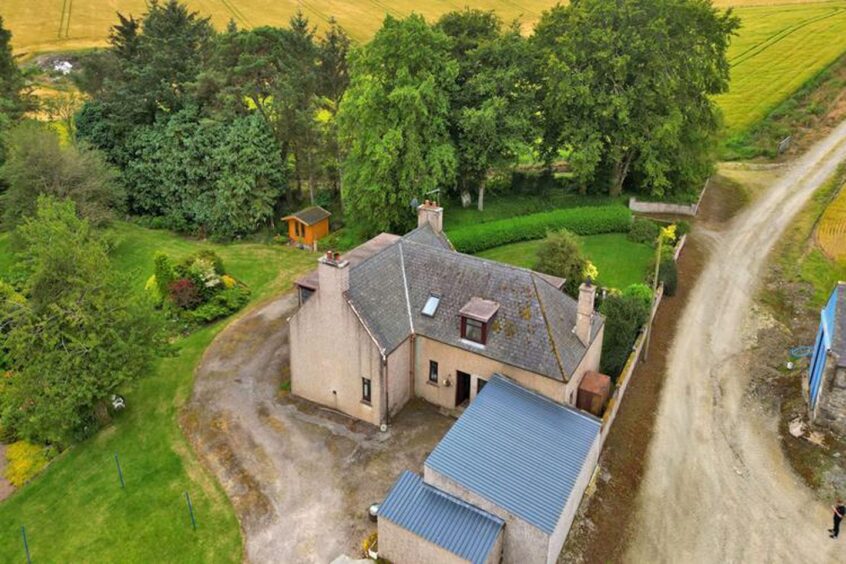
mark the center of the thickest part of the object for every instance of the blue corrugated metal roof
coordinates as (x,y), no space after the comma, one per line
(519,450)
(441,518)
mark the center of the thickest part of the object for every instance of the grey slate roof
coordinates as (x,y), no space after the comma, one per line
(532,328)
(311,215)
(519,450)
(440,518)
(354,257)
(427,236)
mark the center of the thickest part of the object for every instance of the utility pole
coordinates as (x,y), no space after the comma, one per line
(654,292)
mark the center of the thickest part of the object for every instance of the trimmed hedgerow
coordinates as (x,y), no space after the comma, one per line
(581,221)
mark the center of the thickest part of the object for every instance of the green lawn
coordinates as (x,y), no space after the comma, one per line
(76,511)
(620,261)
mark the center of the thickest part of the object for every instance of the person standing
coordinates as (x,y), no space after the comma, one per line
(839,512)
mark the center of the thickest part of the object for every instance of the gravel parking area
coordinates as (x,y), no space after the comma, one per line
(300,477)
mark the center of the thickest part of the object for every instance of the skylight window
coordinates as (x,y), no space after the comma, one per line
(431,306)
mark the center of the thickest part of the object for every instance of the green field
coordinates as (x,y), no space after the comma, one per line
(778,49)
(620,262)
(76,511)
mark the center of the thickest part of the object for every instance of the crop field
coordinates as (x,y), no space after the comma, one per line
(831,231)
(778,49)
(780,46)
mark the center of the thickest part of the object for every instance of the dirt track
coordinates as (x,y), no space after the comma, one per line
(717,487)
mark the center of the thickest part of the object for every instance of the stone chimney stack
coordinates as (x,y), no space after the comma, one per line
(333,275)
(431,213)
(584,317)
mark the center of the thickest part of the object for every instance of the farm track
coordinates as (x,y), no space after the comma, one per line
(717,486)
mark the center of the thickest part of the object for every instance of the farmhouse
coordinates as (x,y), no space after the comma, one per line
(503,484)
(827,374)
(409,316)
(308,226)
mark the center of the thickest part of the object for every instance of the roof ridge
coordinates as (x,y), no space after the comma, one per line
(405,287)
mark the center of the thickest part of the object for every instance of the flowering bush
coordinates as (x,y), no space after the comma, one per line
(199,289)
(184,293)
(25,461)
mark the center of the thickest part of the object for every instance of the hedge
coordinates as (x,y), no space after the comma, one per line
(581,221)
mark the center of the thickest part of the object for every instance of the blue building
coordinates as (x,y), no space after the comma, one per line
(826,380)
(503,485)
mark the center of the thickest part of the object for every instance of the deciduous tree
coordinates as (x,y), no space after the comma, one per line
(627,86)
(80,334)
(394,123)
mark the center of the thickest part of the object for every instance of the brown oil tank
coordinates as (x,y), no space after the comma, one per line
(594,392)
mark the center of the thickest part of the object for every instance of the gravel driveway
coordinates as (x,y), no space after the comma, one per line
(300,477)
(717,486)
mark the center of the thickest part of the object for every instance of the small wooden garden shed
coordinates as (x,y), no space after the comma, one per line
(308,226)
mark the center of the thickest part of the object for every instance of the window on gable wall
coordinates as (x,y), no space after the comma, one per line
(365,389)
(433,372)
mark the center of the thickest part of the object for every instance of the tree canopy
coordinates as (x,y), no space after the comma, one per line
(75,333)
(38,165)
(394,123)
(626,87)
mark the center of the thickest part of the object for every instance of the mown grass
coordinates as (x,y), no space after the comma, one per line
(76,511)
(778,49)
(620,262)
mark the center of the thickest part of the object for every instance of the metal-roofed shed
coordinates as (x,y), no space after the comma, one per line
(419,523)
(523,457)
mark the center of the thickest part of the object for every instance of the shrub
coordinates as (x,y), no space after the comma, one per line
(221,304)
(212,257)
(624,316)
(184,293)
(581,221)
(163,272)
(25,461)
(641,292)
(643,231)
(228,281)
(682,228)
(561,255)
(668,275)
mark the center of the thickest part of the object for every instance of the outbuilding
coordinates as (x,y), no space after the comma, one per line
(308,226)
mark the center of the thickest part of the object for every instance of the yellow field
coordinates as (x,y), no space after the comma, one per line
(781,45)
(831,231)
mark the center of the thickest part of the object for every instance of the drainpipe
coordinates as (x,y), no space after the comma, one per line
(412,365)
(383,379)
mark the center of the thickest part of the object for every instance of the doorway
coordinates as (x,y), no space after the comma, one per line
(462,387)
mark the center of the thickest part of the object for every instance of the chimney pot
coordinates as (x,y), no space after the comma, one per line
(337,256)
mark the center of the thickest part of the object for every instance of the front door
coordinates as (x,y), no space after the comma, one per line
(462,388)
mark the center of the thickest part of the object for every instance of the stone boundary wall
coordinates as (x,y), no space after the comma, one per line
(664,207)
(631,363)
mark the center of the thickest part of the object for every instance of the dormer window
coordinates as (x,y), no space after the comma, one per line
(476,315)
